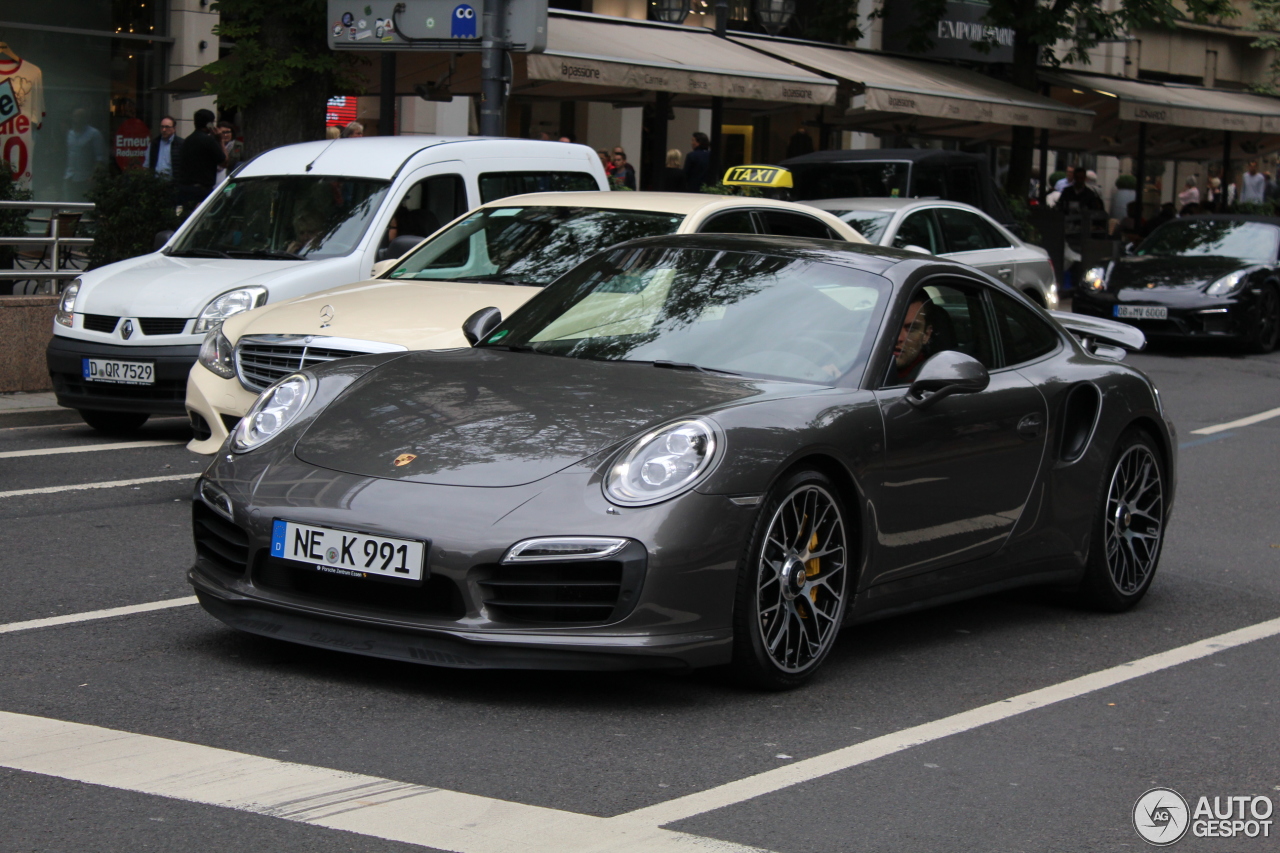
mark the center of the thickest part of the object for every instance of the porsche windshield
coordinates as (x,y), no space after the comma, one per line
(286,217)
(734,312)
(1224,238)
(528,245)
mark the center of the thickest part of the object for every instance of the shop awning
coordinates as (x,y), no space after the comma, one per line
(639,55)
(1179,105)
(891,84)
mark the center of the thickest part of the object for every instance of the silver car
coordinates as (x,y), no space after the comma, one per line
(951,230)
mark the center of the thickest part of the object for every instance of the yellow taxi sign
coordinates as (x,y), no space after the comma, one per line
(758,176)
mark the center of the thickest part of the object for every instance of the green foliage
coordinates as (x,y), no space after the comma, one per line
(1253,208)
(1126,182)
(13,223)
(1021,212)
(834,21)
(131,208)
(1267,26)
(718,188)
(277,46)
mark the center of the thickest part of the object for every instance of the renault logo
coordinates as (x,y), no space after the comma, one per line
(126,331)
(326,316)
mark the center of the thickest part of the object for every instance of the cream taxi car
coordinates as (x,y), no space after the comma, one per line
(499,255)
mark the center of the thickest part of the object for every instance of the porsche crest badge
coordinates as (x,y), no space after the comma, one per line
(404,459)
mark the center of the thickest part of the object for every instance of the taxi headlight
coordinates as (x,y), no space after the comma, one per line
(1228,284)
(227,304)
(663,463)
(67,305)
(1096,278)
(278,407)
(216,353)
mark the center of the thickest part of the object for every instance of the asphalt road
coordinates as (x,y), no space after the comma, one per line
(1063,776)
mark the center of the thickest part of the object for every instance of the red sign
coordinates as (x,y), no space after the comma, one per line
(340,112)
(132,139)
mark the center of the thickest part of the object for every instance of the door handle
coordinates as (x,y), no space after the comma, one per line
(1031,425)
(1004,273)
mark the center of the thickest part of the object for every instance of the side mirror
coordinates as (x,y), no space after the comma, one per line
(912,247)
(478,326)
(382,267)
(944,374)
(1130,248)
(161,238)
(399,247)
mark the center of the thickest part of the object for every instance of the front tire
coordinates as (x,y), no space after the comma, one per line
(114,423)
(1128,530)
(1266,332)
(792,584)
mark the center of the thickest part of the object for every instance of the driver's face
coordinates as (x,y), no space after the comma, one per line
(912,337)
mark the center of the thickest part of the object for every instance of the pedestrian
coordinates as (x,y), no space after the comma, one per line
(1124,194)
(1255,185)
(623,172)
(799,144)
(163,151)
(332,132)
(86,151)
(1213,196)
(1079,197)
(697,163)
(673,174)
(1190,195)
(1167,214)
(233,147)
(606,161)
(1065,182)
(567,137)
(202,155)
(355,130)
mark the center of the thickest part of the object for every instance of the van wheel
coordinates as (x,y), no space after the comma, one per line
(113,423)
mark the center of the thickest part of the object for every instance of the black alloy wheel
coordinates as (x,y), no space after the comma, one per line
(1266,330)
(1128,530)
(792,584)
(113,423)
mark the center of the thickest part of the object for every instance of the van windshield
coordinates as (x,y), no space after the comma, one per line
(287,217)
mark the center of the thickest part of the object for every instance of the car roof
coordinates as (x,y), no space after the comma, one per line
(933,155)
(384,156)
(863,256)
(885,205)
(1229,217)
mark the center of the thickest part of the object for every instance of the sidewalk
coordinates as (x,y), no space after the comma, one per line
(25,402)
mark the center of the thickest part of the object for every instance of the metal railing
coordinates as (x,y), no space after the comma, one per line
(49,273)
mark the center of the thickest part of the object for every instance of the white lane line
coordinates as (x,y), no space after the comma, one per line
(22,410)
(86,448)
(77,423)
(382,808)
(1243,422)
(110,484)
(861,753)
(89,616)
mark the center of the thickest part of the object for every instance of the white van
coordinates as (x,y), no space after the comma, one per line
(295,220)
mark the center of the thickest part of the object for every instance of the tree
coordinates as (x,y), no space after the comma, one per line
(281,73)
(1267,25)
(1050,32)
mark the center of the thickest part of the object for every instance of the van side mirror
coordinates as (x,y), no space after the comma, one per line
(161,238)
(946,373)
(478,326)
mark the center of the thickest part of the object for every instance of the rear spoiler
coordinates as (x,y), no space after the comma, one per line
(1100,336)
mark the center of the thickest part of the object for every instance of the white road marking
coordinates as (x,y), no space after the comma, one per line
(89,616)
(1243,422)
(110,484)
(861,753)
(82,424)
(86,448)
(22,410)
(382,808)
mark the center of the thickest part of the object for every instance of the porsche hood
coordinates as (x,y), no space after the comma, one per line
(1154,274)
(484,417)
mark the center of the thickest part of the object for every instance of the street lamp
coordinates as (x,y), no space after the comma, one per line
(774,15)
(669,11)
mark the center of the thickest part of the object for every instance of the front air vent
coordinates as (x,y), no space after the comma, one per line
(162,325)
(219,543)
(437,596)
(100,323)
(563,592)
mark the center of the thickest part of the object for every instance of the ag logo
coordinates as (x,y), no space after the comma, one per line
(404,459)
(1161,817)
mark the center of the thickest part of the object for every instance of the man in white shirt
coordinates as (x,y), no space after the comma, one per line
(164,149)
(1255,185)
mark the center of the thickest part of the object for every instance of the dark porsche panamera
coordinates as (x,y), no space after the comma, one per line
(692,451)
(1199,277)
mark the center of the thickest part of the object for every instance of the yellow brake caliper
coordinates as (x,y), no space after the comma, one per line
(811,567)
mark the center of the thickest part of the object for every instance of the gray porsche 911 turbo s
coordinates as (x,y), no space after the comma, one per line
(692,451)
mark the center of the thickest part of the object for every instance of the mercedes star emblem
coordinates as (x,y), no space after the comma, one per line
(326,316)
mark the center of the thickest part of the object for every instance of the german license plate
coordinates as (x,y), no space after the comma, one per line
(1142,312)
(119,372)
(347,553)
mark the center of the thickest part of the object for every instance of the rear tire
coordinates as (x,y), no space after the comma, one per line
(1266,332)
(1128,527)
(113,423)
(793,583)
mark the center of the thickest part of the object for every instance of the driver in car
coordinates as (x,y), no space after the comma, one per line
(911,348)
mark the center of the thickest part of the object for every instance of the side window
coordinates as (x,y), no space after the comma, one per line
(785,224)
(939,318)
(964,185)
(927,182)
(732,222)
(429,204)
(965,231)
(919,229)
(1024,335)
(496,185)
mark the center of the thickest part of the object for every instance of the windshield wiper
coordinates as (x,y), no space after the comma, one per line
(199,253)
(494,279)
(266,253)
(697,368)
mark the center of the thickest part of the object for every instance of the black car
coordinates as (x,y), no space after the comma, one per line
(691,451)
(1205,277)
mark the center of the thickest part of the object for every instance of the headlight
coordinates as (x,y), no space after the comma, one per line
(1096,278)
(216,353)
(227,304)
(663,463)
(67,307)
(1227,284)
(278,407)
